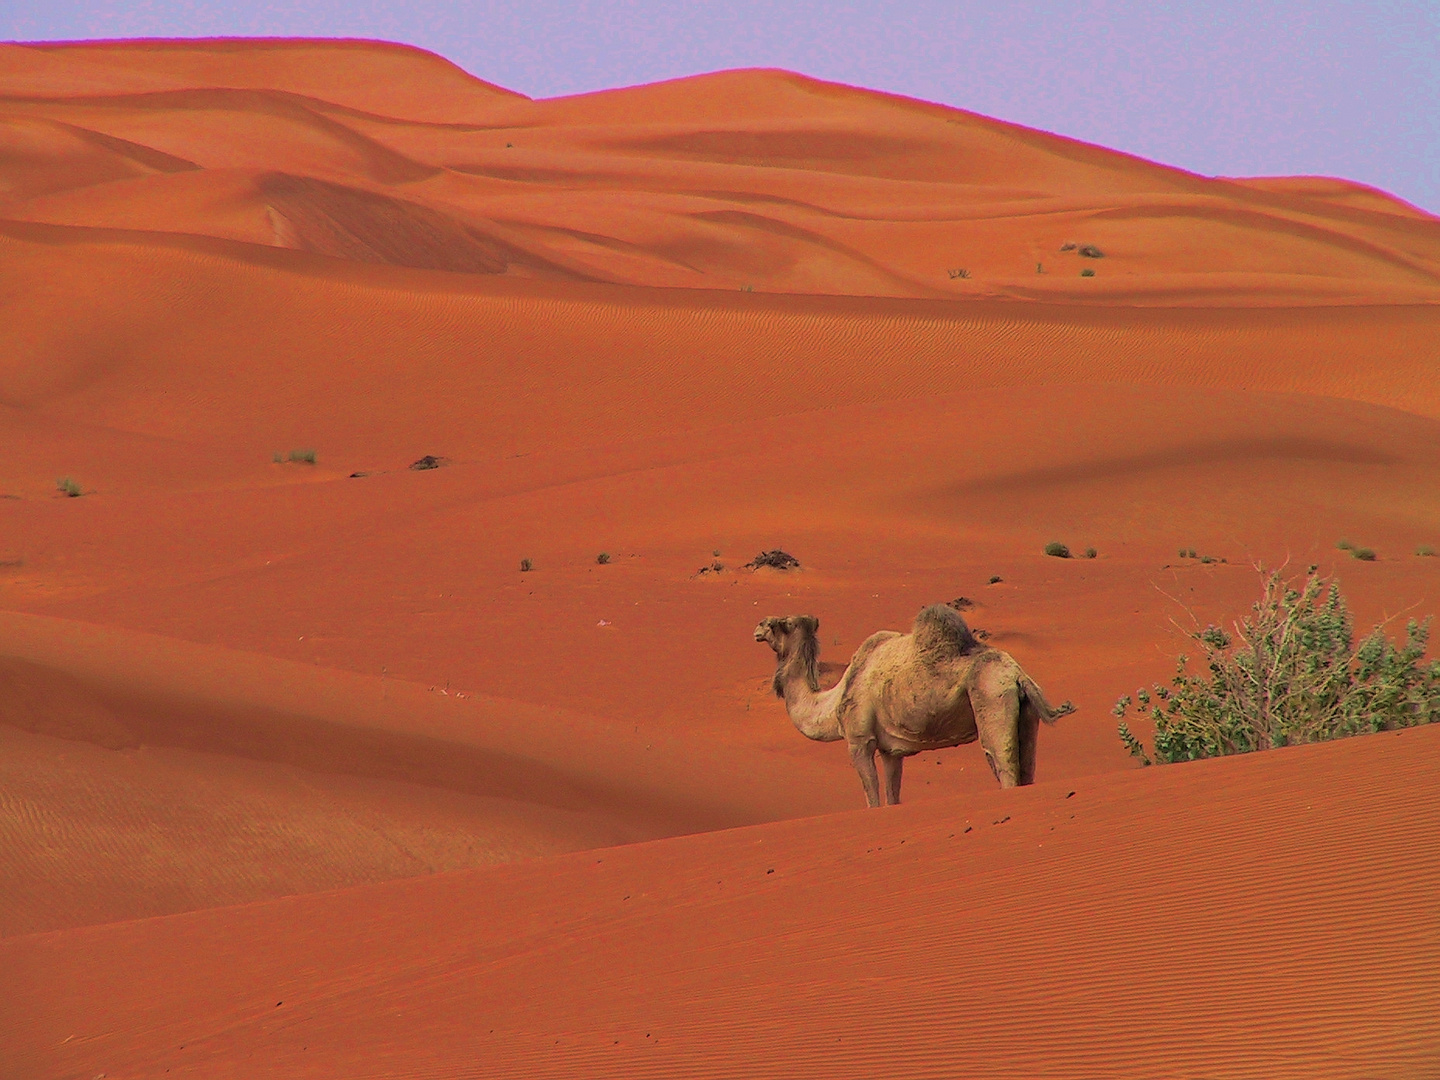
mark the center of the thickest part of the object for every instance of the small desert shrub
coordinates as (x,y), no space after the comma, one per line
(1090,553)
(295,457)
(1345,545)
(1363,554)
(1425,550)
(526,566)
(1090,251)
(996,579)
(958,273)
(1291,674)
(1087,272)
(603,558)
(1057,549)
(67,486)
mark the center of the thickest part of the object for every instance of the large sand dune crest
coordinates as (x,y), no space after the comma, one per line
(754,179)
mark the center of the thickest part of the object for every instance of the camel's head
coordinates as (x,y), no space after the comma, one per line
(781,633)
(790,636)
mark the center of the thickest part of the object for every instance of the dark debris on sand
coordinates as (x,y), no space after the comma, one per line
(776,559)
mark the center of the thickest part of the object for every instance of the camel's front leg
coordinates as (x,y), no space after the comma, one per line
(862,755)
(892,765)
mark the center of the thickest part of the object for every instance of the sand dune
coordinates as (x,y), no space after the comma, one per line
(1270,915)
(676,325)
(756,179)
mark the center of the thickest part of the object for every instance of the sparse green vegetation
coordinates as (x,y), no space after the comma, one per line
(603,558)
(1425,551)
(67,486)
(996,579)
(1364,554)
(294,457)
(526,566)
(1189,553)
(1087,272)
(1091,553)
(958,273)
(1057,550)
(1290,674)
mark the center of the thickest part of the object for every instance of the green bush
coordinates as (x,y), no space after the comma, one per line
(1345,545)
(996,579)
(1057,549)
(526,566)
(1291,674)
(1363,554)
(603,558)
(1087,272)
(1091,553)
(1425,550)
(67,486)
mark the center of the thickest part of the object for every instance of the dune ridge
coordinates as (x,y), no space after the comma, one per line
(757,179)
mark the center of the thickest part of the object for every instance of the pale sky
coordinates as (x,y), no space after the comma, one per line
(1221,88)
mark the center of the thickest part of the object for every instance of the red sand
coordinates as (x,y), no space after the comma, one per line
(709,315)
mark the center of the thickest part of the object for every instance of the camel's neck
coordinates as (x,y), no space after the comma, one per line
(813,714)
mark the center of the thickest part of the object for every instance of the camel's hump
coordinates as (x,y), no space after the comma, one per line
(941,632)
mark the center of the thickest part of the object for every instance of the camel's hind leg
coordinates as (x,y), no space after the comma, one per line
(1029,743)
(892,765)
(997,719)
(863,757)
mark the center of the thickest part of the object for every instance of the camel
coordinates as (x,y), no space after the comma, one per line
(934,687)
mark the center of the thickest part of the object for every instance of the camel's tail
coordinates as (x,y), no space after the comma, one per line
(1034,699)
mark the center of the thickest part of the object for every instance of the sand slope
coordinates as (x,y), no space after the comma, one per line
(675,325)
(756,179)
(1262,916)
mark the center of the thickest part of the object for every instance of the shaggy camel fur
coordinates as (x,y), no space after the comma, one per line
(903,693)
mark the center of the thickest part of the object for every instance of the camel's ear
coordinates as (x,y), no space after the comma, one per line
(808,622)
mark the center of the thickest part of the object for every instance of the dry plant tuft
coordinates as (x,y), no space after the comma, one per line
(1291,674)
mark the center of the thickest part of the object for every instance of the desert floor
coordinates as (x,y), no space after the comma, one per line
(301,775)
